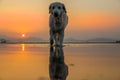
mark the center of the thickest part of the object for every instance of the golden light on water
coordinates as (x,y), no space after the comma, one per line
(23,47)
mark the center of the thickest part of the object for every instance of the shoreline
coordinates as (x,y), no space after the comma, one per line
(63,43)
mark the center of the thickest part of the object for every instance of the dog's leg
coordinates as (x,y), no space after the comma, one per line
(51,38)
(56,39)
(61,37)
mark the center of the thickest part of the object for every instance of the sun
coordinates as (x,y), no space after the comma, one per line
(23,35)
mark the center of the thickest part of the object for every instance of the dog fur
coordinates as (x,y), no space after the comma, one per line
(58,21)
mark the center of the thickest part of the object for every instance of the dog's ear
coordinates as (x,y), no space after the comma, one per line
(50,9)
(64,8)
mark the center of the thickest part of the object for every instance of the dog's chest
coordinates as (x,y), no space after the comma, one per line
(58,22)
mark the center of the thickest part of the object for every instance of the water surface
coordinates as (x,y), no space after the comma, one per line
(84,61)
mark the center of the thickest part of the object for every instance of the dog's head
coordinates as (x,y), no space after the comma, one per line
(57,8)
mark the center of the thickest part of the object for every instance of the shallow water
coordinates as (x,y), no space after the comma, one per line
(36,62)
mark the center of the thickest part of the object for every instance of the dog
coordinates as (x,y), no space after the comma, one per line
(58,70)
(58,21)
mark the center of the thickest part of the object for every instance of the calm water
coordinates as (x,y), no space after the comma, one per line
(74,61)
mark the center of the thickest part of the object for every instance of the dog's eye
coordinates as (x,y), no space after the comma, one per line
(53,7)
(59,7)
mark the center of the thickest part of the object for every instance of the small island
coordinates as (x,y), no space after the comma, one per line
(118,41)
(3,41)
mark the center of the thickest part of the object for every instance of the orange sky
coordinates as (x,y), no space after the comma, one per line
(22,22)
(32,19)
(86,20)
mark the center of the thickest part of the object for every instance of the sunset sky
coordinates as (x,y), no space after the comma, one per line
(87,18)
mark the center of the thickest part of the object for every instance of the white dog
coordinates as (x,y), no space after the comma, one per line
(58,21)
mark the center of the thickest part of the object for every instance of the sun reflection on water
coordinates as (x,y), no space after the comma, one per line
(23,47)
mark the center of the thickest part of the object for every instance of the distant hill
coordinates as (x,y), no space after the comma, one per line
(90,40)
(73,40)
(33,39)
(36,39)
(101,40)
(29,39)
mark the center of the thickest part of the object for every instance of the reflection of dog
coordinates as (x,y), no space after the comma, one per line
(58,21)
(58,70)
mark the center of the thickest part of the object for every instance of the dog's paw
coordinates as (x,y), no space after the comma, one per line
(56,45)
(51,45)
(59,45)
(51,42)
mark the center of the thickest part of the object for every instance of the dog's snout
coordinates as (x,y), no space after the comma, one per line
(56,14)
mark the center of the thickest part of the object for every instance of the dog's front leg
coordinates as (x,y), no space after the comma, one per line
(56,37)
(51,37)
(61,36)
